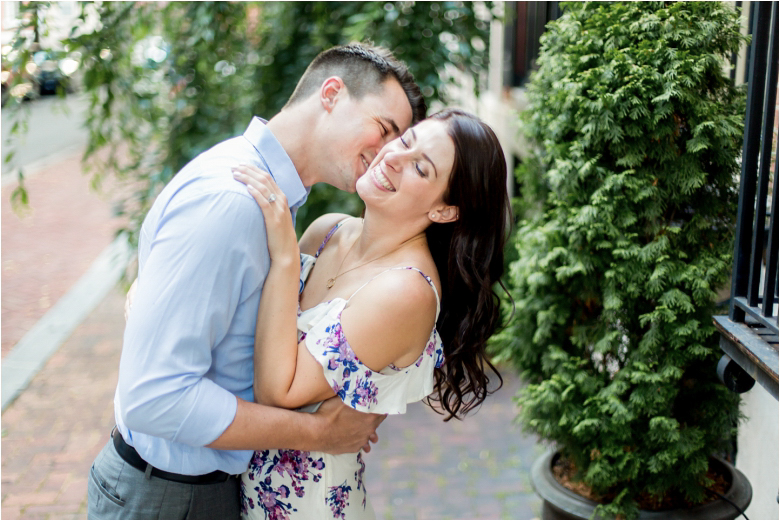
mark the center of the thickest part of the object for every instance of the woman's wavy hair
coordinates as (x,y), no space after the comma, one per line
(469,255)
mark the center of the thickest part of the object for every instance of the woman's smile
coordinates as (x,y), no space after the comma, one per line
(381,180)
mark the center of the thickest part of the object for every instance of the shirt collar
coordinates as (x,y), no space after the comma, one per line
(276,161)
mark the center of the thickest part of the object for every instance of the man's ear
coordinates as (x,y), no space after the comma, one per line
(444,214)
(330,91)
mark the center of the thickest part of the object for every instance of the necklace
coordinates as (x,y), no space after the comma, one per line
(332,280)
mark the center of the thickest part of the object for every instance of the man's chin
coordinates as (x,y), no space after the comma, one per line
(351,188)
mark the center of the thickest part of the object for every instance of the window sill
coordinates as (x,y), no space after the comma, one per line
(753,347)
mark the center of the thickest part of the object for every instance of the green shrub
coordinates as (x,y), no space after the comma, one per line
(638,133)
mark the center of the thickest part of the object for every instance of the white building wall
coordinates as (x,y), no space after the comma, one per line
(757,453)
(498,106)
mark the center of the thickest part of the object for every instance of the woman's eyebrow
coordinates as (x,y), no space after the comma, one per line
(435,172)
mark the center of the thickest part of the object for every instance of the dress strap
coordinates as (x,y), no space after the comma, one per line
(426,277)
(329,235)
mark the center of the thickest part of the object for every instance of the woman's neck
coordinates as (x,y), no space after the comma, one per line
(382,237)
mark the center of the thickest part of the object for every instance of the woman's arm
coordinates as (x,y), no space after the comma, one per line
(276,358)
(390,321)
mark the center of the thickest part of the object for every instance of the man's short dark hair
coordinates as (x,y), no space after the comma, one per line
(363,68)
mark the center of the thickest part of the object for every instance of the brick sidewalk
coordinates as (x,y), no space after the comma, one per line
(422,467)
(478,468)
(56,427)
(50,246)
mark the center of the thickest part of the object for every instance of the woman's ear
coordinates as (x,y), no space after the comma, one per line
(329,92)
(444,214)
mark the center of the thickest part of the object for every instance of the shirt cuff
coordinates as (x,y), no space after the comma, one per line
(213,411)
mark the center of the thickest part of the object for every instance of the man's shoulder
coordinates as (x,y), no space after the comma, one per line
(210,174)
(206,192)
(206,185)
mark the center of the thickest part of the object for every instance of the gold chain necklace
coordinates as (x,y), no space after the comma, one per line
(332,280)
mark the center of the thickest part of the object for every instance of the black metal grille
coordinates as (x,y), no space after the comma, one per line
(755,275)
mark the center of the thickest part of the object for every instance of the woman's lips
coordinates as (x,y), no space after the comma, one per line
(381,181)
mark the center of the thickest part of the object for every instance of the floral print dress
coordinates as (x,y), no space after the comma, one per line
(294,484)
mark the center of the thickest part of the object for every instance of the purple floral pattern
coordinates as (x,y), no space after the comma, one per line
(357,385)
(327,238)
(298,465)
(359,477)
(341,359)
(269,499)
(338,350)
(338,499)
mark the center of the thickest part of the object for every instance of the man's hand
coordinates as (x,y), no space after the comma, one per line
(346,430)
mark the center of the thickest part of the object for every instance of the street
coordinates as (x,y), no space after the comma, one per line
(55,127)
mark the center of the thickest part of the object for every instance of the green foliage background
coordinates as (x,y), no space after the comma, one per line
(638,134)
(228,61)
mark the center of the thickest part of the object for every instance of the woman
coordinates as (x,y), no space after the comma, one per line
(381,311)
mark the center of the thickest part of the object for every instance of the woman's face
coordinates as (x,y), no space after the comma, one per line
(410,174)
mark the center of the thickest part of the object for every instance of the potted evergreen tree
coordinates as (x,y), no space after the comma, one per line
(638,131)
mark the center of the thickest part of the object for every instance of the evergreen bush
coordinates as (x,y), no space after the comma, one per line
(638,132)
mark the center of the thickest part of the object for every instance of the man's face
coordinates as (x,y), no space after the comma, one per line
(360,128)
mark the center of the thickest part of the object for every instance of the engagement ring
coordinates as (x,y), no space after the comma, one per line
(271,198)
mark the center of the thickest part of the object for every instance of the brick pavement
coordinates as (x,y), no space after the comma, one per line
(47,248)
(56,427)
(478,468)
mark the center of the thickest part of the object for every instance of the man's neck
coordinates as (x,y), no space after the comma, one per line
(292,129)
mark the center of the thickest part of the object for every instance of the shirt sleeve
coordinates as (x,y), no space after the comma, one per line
(207,254)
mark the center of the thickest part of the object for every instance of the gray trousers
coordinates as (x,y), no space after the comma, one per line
(116,490)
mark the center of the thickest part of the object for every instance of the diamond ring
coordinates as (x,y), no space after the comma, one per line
(271,198)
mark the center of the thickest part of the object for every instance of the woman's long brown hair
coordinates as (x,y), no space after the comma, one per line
(469,255)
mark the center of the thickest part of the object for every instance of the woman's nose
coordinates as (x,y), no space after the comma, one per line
(393,159)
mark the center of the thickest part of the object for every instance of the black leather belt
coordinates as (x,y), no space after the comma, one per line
(132,458)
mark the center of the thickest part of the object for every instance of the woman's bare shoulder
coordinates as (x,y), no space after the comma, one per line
(317,230)
(390,319)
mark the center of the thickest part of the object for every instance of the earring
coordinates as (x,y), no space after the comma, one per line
(433,216)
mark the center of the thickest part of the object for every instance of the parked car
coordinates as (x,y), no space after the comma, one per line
(45,72)
(52,71)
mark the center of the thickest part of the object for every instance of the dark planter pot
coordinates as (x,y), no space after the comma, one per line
(561,503)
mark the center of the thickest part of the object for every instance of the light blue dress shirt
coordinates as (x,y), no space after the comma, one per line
(189,339)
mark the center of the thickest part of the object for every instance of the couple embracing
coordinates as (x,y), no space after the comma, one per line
(256,367)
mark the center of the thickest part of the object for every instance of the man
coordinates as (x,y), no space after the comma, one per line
(186,421)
